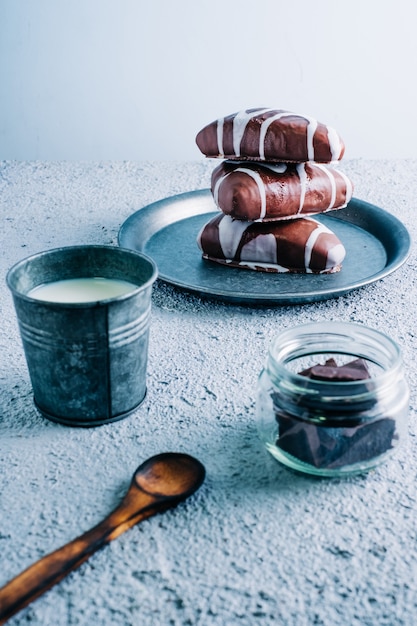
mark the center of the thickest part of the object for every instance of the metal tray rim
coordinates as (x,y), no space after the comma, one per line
(153,217)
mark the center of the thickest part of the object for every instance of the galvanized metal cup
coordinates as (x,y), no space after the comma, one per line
(87,361)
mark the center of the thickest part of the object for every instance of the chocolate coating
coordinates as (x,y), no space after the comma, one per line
(261,191)
(270,135)
(303,245)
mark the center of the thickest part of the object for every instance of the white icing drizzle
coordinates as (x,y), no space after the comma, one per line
(261,247)
(335,256)
(230,234)
(264,128)
(261,187)
(278,168)
(311,129)
(240,121)
(220,124)
(217,187)
(302,175)
(332,180)
(280,269)
(310,243)
(334,143)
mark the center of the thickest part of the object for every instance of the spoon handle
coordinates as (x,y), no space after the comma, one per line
(43,574)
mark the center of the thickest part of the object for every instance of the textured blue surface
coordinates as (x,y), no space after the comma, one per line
(256,544)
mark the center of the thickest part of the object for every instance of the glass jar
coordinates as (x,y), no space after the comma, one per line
(332,398)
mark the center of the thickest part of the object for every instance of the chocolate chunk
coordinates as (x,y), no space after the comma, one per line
(307,442)
(337,442)
(330,371)
(332,447)
(364,442)
(329,363)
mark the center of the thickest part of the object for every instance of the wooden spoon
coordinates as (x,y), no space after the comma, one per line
(158,484)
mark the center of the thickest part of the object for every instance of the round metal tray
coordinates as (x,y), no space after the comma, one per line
(376,243)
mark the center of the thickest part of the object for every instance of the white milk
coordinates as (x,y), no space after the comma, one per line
(74,290)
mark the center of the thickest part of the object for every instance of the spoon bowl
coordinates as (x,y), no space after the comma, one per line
(170,475)
(158,484)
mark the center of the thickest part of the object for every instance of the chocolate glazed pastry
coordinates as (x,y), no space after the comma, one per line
(347,442)
(271,135)
(262,191)
(300,246)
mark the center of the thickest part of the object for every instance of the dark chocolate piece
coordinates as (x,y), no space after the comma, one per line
(332,447)
(330,371)
(336,443)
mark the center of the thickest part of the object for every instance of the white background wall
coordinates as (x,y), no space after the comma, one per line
(129,79)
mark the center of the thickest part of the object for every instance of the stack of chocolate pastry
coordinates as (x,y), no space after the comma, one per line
(277,170)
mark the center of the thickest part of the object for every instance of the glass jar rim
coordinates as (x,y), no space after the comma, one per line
(345,338)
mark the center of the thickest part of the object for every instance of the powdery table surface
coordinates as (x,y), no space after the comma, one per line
(257,544)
